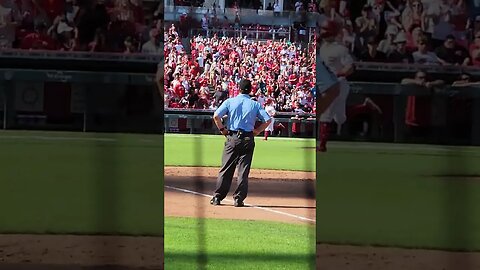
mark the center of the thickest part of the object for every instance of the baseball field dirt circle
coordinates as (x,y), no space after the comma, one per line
(75,252)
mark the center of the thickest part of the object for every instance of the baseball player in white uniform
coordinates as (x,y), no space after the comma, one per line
(270,109)
(338,60)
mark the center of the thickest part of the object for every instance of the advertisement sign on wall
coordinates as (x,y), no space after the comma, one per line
(29,97)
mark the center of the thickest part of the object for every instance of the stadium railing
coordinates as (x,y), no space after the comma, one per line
(247,16)
(200,121)
(394,72)
(412,68)
(79,61)
(241,32)
(30,54)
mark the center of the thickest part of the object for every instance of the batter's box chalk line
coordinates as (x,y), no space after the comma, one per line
(249,205)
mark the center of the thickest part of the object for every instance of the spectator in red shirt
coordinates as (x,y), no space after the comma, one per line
(179,90)
(312,6)
(414,35)
(39,40)
(292,79)
(417,111)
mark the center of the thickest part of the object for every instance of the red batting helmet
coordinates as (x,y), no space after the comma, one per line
(329,28)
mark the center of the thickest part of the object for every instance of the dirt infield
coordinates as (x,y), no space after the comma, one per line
(334,257)
(273,195)
(72,252)
(255,174)
(292,193)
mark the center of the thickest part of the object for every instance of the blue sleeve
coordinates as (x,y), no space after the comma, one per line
(325,77)
(262,114)
(223,109)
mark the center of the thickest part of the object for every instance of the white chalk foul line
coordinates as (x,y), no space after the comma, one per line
(249,205)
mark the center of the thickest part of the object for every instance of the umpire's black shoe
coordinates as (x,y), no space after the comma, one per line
(238,203)
(215,201)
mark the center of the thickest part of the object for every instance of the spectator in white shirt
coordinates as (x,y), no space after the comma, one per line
(152,46)
(205,25)
(423,55)
(7,27)
(386,45)
(179,47)
(276,8)
(298,6)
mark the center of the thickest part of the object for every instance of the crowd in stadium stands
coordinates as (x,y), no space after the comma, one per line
(122,26)
(281,72)
(411,31)
(395,31)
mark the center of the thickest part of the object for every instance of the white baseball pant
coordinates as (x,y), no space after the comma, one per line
(337,110)
(271,125)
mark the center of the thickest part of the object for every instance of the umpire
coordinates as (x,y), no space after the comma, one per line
(242,113)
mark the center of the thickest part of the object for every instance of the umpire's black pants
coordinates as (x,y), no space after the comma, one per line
(238,152)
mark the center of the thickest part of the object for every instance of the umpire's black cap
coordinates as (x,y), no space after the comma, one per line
(245,86)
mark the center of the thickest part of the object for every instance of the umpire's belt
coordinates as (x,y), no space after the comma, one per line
(240,133)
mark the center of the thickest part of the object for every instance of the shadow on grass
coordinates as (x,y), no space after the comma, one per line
(456,176)
(252,257)
(270,188)
(107,212)
(457,205)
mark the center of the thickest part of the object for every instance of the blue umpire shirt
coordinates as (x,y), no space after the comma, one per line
(242,113)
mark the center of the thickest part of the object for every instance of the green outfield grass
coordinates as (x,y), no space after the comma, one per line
(399,195)
(57,182)
(237,244)
(206,150)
